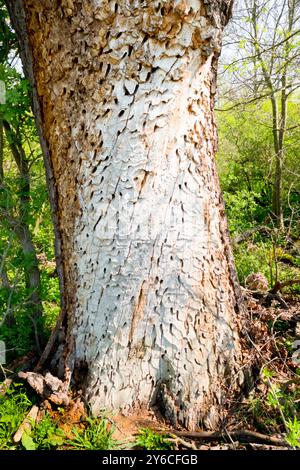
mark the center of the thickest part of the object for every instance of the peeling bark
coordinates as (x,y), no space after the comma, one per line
(126,94)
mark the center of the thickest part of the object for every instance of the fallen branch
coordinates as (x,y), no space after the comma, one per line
(5,386)
(241,436)
(26,424)
(248,233)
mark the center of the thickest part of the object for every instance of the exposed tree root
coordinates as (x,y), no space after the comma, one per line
(176,441)
(266,298)
(248,233)
(243,436)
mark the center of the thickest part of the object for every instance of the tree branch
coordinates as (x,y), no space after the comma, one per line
(280,285)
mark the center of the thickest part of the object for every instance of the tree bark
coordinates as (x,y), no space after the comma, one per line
(126,93)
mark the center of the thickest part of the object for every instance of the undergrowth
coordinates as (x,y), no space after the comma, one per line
(150,440)
(48,433)
(97,435)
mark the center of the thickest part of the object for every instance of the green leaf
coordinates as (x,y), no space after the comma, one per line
(27,442)
(55,440)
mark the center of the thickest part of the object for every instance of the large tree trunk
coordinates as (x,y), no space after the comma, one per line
(126,92)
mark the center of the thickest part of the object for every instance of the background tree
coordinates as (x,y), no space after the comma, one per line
(263,253)
(23,208)
(265,40)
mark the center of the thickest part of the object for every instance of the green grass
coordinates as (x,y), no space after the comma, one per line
(293,435)
(14,406)
(97,435)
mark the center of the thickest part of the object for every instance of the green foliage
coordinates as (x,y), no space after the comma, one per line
(279,410)
(257,255)
(293,436)
(246,164)
(97,435)
(13,408)
(8,40)
(51,299)
(46,435)
(150,440)
(267,373)
(243,209)
(278,326)
(16,311)
(16,109)
(252,257)
(18,337)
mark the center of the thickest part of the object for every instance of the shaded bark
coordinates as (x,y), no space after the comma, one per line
(126,97)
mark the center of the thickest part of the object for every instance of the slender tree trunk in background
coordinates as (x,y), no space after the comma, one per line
(125,90)
(254,18)
(277,141)
(4,281)
(277,189)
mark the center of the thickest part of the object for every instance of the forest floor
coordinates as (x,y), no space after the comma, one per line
(266,416)
(263,419)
